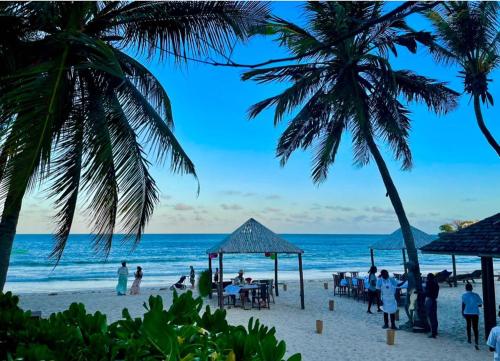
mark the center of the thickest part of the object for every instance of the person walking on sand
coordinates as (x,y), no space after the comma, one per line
(372,289)
(471,302)
(121,288)
(191,276)
(431,295)
(135,289)
(494,341)
(387,287)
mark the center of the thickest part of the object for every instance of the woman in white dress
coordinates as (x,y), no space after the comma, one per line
(135,289)
(387,287)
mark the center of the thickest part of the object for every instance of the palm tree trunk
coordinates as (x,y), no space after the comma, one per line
(482,126)
(392,192)
(8,226)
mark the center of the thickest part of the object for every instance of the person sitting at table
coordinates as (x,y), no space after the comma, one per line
(387,287)
(239,280)
(372,289)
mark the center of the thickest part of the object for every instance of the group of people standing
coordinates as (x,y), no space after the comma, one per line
(382,292)
(121,288)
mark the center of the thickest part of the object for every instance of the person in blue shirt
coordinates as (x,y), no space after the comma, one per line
(494,341)
(470,310)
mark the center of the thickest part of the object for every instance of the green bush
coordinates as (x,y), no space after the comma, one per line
(181,333)
(205,283)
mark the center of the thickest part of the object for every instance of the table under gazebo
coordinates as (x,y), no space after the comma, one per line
(253,237)
(481,239)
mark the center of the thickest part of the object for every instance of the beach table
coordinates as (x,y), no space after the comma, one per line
(240,291)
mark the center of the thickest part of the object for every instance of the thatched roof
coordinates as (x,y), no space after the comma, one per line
(479,239)
(395,240)
(253,237)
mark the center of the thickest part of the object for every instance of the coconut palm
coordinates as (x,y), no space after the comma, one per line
(468,35)
(350,87)
(81,115)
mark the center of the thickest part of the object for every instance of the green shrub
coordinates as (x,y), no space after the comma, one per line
(205,283)
(180,333)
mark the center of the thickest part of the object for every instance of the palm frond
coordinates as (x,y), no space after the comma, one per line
(190,28)
(138,191)
(151,127)
(99,178)
(436,95)
(66,175)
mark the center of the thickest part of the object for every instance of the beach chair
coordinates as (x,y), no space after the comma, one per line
(260,296)
(468,277)
(359,291)
(270,284)
(349,286)
(337,285)
(179,284)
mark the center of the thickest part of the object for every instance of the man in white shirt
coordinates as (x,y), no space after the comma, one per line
(494,341)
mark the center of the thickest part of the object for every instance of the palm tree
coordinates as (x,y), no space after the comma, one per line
(468,35)
(79,114)
(350,87)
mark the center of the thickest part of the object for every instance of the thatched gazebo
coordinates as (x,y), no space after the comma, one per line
(253,237)
(481,239)
(395,242)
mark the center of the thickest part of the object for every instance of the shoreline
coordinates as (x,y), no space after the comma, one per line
(88,285)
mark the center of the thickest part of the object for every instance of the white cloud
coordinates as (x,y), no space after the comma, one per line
(183,207)
(231,207)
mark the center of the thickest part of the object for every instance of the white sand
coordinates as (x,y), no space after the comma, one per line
(349,332)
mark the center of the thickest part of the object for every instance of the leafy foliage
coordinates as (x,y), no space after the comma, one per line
(468,36)
(347,87)
(205,283)
(456,225)
(179,333)
(80,115)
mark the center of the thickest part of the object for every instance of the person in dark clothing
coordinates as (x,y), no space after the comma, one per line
(431,295)
(372,289)
(216,275)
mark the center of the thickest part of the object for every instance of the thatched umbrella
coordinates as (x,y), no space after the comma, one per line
(481,239)
(395,241)
(253,237)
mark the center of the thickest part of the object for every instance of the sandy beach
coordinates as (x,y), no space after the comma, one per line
(349,332)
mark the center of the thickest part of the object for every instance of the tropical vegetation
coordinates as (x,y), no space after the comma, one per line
(183,332)
(82,116)
(455,226)
(350,86)
(468,36)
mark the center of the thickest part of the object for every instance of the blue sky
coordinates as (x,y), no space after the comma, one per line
(455,176)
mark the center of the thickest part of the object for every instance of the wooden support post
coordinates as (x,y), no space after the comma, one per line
(371,256)
(210,273)
(276,274)
(301,275)
(488,294)
(454,270)
(404,261)
(221,284)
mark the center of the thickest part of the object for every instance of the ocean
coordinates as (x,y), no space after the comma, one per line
(165,257)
